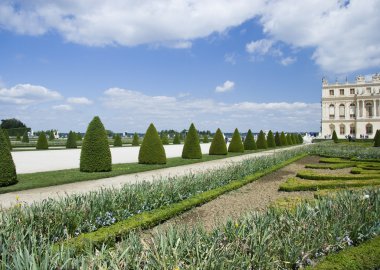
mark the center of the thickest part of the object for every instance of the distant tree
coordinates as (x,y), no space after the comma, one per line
(152,151)
(51,135)
(236,145)
(109,133)
(18,138)
(294,138)
(8,174)
(249,142)
(277,139)
(135,141)
(218,145)
(377,139)
(42,143)
(283,139)
(164,138)
(334,137)
(191,148)
(176,139)
(261,141)
(25,137)
(205,138)
(300,139)
(117,141)
(11,123)
(270,140)
(71,140)
(79,136)
(289,139)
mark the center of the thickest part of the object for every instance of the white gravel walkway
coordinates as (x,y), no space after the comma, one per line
(39,194)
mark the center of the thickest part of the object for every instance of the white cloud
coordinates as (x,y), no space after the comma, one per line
(230,58)
(27,94)
(227,86)
(260,47)
(62,107)
(79,100)
(288,60)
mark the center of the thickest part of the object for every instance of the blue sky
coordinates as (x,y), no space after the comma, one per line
(227,64)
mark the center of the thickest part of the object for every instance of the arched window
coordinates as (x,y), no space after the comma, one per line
(368,129)
(369,108)
(352,129)
(352,110)
(342,129)
(332,111)
(341,111)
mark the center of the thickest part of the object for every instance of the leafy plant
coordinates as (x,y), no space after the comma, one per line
(42,143)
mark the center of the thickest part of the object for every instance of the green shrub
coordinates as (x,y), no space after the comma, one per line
(192,148)
(334,137)
(42,143)
(25,137)
(18,138)
(249,142)
(270,140)
(300,139)
(95,154)
(152,151)
(205,139)
(218,144)
(164,138)
(283,139)
(377,139)
(79,136)
(71,140)
(236,145)
(295,138)
(311,175)
(135,141)
(117,142)
(261,141)
(177,139)
(51,135)
(8,174)
(277,139)
(289,139)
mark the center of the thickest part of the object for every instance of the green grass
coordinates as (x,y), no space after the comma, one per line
(364,256)
(296,184)
(53,178)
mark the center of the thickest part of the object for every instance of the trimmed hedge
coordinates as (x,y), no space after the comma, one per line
(164,138)
(8,174)
(289,140)
(111,234)
(283,140)
(277,139)
(152,151)
(334,137)
(236,145)
(7,139)
(135,140)
(270,140)
(176,139)
(249,142)
(328,166)
(218,145)
(42,143)
(294,138)
(25,137)
(95,155)
(376,140)
(261,141)
(71,140)
(192,148)
(362,257)
(117,141)
(310,175)
(205,139)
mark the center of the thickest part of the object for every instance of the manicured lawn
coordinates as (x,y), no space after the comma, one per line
(45,179)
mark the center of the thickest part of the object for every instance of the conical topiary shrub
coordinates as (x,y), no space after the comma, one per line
(289,139)
(71,142)
(135,141)
(270,140)
(177,140)
(79,136)
(334,137)
(277,139)
(51,135)
(205,139)
(95,155)
(283,139)
(249,142)
(261,141)
(218,145)
(25,137)
(42,143)
(236,145)
(7,139)
(117,141)
(192,148)
(164,138)
(8,174)
(295,139)
(152,151)
(300,139)
(376,139)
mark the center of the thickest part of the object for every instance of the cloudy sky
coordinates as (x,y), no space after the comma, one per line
(218,63)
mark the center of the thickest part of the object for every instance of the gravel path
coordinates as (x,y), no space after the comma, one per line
(39,194)
(257,196)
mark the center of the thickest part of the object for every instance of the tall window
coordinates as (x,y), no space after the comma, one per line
(352,110)
(368,129)
(341,92)
(341,111)
(369,108)
(352,129)
(352,91)
(342,129)
(332,111)
(331,92)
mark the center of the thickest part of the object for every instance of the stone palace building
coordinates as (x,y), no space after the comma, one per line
(351,108)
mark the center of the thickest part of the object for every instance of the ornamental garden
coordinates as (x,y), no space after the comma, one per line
(319,206)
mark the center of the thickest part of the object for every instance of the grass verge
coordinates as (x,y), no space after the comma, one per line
(364,256)
(111,234)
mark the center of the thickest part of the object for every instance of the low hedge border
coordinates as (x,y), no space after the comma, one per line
(328,166)
(335,160)
(364,256)
(296,184)
(310,175)
(364,171)
(332,192)
(114,233)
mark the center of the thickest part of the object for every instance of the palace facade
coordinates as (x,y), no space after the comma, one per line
(351,108)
